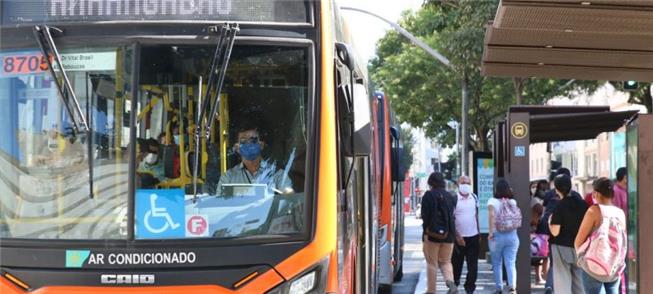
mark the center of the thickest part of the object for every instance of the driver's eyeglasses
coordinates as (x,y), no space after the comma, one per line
(250,140)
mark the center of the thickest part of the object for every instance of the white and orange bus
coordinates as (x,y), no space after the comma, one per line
(388,179)
(186,146)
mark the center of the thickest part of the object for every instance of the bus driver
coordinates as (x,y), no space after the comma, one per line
(253,169)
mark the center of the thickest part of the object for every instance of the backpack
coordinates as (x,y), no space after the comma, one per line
(439,228)
(508,217)
(539,245)
(603,254)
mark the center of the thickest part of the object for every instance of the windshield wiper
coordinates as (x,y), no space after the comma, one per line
(48,47)
(221,55)
(66,93)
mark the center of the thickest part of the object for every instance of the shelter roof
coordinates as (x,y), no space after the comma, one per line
(567,123)
(571,39)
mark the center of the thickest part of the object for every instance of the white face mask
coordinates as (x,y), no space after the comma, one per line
(533,190)
(465,189)
(150,158)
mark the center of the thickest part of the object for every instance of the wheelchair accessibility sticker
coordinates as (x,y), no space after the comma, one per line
(160,214)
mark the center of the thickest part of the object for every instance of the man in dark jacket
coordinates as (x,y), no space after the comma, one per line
(439,234)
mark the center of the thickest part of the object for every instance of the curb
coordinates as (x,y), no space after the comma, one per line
(420,288)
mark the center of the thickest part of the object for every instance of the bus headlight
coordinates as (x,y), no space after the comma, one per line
(310,281)
(304,284)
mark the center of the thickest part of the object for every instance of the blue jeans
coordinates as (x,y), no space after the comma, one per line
(593,286)
(549,275)
(503,248)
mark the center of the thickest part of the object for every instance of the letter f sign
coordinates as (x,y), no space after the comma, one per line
(197,226)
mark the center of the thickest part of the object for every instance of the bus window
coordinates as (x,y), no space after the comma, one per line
(54,185)
(251,162)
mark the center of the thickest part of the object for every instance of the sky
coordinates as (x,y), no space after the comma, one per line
(366,30)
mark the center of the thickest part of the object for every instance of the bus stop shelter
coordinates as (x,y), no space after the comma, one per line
(568,39)
(525,125)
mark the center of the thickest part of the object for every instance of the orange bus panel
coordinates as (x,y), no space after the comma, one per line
(261,284)
(324,243)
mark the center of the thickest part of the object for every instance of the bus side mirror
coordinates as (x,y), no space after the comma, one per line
(344,54)
(362,122)
(353,106)
(397,165)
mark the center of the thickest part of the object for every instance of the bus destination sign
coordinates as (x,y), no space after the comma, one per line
(33,62)
(16,12)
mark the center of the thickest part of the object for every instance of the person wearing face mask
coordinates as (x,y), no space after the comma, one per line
(150,170)
(467,235)
(253,169)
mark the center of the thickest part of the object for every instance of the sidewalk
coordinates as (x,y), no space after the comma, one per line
(484,283)
(414,266)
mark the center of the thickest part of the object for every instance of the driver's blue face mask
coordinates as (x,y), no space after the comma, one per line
(251,150)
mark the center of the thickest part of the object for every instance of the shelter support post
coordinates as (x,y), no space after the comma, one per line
(640,203)
(517,174)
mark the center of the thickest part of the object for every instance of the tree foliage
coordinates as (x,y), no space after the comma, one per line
(407,143)
(427,94)
(642,96)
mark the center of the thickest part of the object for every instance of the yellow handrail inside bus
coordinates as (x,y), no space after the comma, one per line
(118,106)
(223,117)
(158,94)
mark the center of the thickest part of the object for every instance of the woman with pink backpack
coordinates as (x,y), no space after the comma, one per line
(601,242)
(504,220)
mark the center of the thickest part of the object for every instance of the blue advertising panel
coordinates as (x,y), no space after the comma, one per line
(160,214)
(484,175)
(617,152)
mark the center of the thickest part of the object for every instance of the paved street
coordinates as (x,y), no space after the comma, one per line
(414,280)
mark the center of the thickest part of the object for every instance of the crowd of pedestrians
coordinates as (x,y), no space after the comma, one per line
(578,244)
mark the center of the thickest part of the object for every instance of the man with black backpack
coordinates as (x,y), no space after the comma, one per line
(438,217)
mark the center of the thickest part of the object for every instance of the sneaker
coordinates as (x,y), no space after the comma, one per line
(512,291)
(452,287)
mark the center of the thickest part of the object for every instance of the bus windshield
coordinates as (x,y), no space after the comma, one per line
(44,186)
(251,167)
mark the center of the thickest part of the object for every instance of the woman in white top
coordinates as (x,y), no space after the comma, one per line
(503,245)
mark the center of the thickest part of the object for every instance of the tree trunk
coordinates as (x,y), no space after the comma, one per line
(485,140)
(482,142)
(647,100)
(519,85)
